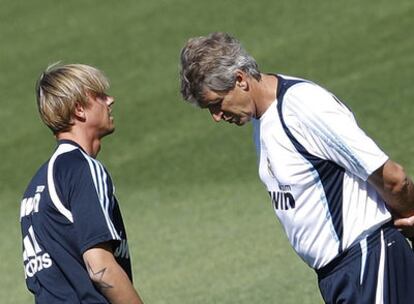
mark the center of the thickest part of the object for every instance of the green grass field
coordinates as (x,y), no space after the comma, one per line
(201,227)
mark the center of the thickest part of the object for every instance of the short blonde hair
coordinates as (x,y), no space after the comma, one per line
(60,87)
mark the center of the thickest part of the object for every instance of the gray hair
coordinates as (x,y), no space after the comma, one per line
(211,62)
(60,87)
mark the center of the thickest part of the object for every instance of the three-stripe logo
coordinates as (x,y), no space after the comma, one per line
(33,258)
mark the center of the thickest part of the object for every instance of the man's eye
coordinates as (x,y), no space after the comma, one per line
(213,106)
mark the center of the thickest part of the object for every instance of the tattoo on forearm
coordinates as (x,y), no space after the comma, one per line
(98,277)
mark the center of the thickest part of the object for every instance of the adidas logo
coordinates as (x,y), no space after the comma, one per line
(33,258)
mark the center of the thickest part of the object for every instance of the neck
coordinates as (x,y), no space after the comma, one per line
(90,146)
(264,93)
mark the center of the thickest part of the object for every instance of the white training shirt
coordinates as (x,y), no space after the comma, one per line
(314,161)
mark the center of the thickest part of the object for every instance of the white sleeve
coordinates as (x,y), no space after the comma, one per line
(327,129)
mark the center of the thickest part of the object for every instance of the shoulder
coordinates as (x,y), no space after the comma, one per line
(69,160)
(307,92)
(306,99)
(70,164)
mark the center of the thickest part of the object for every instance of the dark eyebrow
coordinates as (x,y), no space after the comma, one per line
(100,94)
(215,101)
(205,104)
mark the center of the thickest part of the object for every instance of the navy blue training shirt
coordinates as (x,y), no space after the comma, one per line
(68,208)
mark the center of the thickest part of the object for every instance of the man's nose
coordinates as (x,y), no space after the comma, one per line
(216,114)
(110,100)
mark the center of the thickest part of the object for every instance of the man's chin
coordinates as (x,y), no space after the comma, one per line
(108,132)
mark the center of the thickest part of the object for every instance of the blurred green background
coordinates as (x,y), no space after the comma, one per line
(201,226)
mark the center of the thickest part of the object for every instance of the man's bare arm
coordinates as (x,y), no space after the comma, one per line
(109,277)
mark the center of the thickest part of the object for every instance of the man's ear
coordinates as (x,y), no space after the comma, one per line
(79,112)
(241,80)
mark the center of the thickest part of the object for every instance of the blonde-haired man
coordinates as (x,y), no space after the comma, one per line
(74,241)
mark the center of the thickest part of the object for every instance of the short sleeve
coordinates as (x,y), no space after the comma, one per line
(328,129)
(87,192)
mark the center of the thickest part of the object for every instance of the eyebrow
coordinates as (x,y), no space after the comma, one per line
(204,104)
(215,101)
